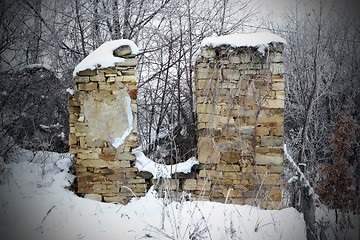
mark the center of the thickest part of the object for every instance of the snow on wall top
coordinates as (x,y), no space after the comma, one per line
(103,55)
(260,40)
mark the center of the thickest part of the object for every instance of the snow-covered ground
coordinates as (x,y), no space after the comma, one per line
(35,204)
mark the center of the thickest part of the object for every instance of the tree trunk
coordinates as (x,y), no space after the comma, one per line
(36,34)
(126,27)
(116,22)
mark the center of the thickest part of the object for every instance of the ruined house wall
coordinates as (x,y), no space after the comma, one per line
(240,111)
(103,131)
(239,104)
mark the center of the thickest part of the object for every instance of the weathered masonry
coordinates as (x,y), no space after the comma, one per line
(240,110)
(103,125)
(239,88)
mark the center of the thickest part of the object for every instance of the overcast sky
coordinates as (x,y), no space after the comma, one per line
(275,10)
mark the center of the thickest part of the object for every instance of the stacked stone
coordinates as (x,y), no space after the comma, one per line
(96,109)
(240,110)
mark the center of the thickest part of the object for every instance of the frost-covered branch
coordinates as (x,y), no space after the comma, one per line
(302,178)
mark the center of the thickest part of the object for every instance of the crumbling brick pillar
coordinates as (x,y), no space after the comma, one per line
(103,125)
(240,110)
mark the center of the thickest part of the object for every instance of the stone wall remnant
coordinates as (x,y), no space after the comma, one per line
(103,124)
(239,102)
(239,87)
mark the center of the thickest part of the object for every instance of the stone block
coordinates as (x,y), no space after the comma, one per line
(100,77)
(277,68)
(276,169)
(124,164)
(271,141)
(235,193)
(230,157)
(126,79)
(90,177)
(276,57)
(208,52)
(208,151)
(228,167)
(87,155)
(122,51)
(95,197)
(87,86)
(203,185)
(87,72)
(272,179)
(119,198)
(274,103)
(206,73)
(129,62)
(231,175)
(274,194)
(136,180)
(262,131)
(189,184)
(117,176)
(277,131)
(72,139)
(126,156)
(128,72)
(269,159)
(211,174)
(116,86)
(272,121)
(93,163)
(278,86)
(107,157)
(81,79)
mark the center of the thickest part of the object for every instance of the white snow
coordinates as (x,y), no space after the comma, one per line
(35,205)
(70,91)
(259,39)
(159,170)
(103,55)
(120,140)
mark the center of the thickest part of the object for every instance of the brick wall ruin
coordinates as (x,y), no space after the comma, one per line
(240,110)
